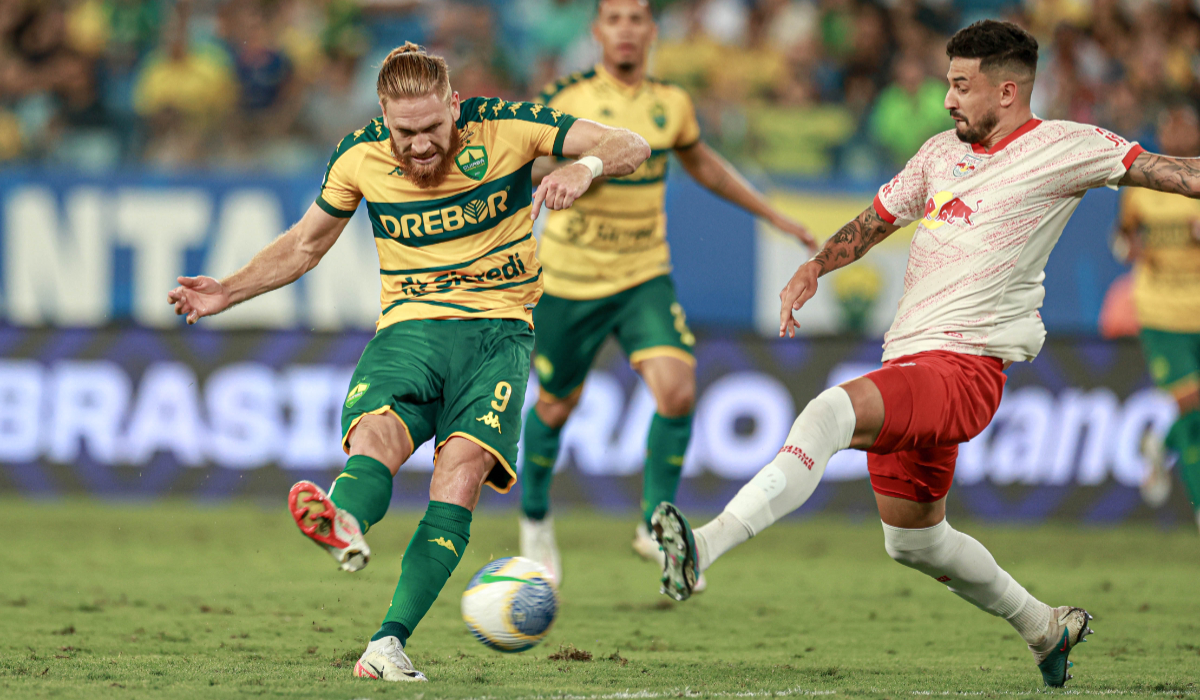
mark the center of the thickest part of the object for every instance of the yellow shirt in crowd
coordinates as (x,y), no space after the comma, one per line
(615,236)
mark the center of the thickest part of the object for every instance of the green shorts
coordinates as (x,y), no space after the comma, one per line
(647,320)
(446,378)
(1173,359)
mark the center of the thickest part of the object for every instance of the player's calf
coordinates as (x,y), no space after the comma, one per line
(329,526)
(970,571)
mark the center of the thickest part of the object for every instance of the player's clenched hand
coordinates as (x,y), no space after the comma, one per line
(198,296)
(561,188)
(800,288)
(796,230)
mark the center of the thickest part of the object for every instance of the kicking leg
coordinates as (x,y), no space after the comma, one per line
(434,551)
(543,427)
(918,536)
(359,496)
(845,416)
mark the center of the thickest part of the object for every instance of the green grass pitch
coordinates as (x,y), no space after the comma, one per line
(175,600)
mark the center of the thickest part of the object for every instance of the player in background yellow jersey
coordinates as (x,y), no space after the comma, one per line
(1160,233)
(448,191)
(607,267)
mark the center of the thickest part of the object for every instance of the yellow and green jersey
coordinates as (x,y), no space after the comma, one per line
(1166,278)
(464,249)
(615,236)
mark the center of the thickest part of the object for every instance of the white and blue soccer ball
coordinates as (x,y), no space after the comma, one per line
(510,604)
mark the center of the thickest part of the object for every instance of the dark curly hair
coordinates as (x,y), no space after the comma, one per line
(999,46)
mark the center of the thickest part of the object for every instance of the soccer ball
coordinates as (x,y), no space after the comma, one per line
(510,604)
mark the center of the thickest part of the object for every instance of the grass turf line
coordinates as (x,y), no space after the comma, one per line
(179,601)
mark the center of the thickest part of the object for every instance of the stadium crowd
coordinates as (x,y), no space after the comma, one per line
(799,88)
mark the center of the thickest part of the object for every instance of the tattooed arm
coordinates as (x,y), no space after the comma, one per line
(843,248)
(1165,174)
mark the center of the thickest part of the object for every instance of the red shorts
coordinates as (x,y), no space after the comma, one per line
(932,401)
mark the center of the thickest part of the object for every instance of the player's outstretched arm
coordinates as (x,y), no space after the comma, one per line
(708,168)
(601,150)
(281,262)
(844,247)
(1165,174)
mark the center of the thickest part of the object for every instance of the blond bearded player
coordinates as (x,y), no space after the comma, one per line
(991,197)
(608,268)
(448,191)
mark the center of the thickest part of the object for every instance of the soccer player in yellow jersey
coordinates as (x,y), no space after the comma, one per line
(1161,232)
(449,195)
(607,269)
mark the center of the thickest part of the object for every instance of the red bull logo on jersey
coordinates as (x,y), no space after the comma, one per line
(945,208)
(966,166)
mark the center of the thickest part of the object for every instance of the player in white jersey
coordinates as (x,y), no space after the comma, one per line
(992,197)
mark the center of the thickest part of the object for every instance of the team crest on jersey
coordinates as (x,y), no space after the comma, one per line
(356,393)
(473,162)
(945,208)
(659,114)
(966,166)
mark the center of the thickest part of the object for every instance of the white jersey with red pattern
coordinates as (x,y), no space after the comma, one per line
(988,221)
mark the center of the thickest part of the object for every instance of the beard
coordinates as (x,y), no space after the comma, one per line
(973,134)
(429,176)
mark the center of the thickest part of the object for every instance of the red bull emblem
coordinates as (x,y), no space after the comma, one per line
(940,210)
(966,166)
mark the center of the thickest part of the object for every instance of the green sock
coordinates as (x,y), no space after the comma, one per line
(665,447)
(364,489)
(537,466)
(433,552)
(1184,439)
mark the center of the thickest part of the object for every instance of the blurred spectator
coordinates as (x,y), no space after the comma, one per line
(183,91)
(909,111)
(795,87)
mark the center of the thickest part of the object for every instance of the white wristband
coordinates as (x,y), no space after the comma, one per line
(594,164)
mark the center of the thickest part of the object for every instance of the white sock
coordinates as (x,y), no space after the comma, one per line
(969,571)
(825,426)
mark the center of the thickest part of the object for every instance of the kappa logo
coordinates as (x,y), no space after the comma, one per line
(491,421)
(443,542)
(473,162)
(799,454)
(944,208)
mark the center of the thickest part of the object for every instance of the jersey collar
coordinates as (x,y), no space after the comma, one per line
(627,90)
(1020,131)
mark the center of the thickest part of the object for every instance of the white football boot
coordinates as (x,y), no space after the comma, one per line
(1156,482)
(538,544)
(1068,627)
(329,526)
(385,660)
(648,549)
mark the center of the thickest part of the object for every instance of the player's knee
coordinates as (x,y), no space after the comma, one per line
(554,411)
(676,400)
(923,549)
(464,461)
(382,438)
(907,557)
